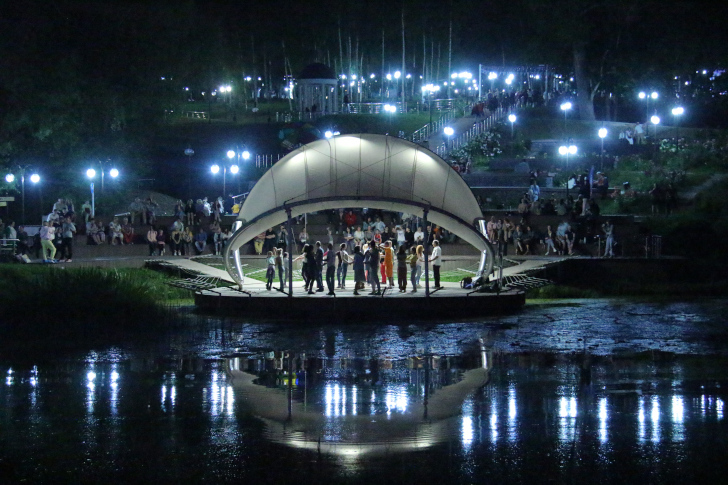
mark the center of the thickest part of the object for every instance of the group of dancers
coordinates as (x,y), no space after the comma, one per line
(369,260)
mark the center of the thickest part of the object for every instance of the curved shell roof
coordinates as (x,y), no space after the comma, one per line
(362,166)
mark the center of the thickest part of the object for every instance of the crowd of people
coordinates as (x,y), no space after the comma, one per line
(373,264)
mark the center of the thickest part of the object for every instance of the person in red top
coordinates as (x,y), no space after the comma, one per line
(350,219)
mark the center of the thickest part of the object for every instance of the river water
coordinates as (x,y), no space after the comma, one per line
(584,391)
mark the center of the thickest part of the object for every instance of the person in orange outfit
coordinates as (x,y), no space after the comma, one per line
(389,263)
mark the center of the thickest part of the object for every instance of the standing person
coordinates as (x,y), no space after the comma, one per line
(389,262)
(401,236)
(270,271)
(412,260)
(152,240)
(330,268)
(310,263)
(280,256)
(342,266)
(420,264)
(373,266)
(319,267)
(402,268)
(190,212)
(302,238)
(47,233)
(358,269)
(608,229)
(282,241)
(436,260)
(69,229)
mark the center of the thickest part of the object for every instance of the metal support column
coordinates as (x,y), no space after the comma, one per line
(289,246)
(427,253)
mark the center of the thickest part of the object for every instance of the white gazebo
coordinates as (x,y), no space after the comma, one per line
(364,170)
(317,89)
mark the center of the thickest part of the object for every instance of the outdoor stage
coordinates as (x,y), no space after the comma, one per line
(451,302)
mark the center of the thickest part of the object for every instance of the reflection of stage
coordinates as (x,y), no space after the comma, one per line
(352,420)
(449,302)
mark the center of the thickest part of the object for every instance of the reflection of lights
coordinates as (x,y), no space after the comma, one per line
(114,376)
(678,409)
(467,431)
(641,419)
(655,417)
(719,407)
(353,400)
(603,419)
(91,375)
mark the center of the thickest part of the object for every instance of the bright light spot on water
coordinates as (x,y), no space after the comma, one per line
(91,386)
(512,411)
(467,431)
(164,394)
(230,401)
(353,400)
(572,407)
(678,409)
(641,419)
(91,375)
(172,394)
(114,386)
(10,371)
(563,408)
(719,407)
(655,416)
(33,381)
(114,376)
(603,419)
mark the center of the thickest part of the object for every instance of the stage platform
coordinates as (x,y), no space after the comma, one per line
(451,302)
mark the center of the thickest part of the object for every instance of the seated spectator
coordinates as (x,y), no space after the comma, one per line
(127,230)
(187,240)
(60,207)
(259,242)
(92,232)
(115,234)
(200,241)
(101,231)
(161,242)
(518,240)
(152,240)
(561,209)
(151,207)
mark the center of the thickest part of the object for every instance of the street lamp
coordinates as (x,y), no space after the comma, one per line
(512,119)
(655,120)
(565,107)
(91,174)
(448,132)
(328,134)
(492,77)
(566,151)
(602,134)
(677,112)
(189,152)
(647,97)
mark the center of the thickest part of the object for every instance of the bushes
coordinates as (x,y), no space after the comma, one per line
(57,301)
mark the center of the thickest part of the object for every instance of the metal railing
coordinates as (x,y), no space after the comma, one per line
(266,161)
(478,127)
(424,133)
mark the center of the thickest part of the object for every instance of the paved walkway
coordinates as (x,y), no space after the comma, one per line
(459,125)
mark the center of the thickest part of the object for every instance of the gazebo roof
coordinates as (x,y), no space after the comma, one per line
(317,71)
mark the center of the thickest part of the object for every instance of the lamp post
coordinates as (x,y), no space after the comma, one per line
(647,97)
(602,134)
(655,120)
(492,77)
(565,107)
(189,152)
(91,174)
(10,178)
(566,151)
(448,132)
(512,119)
(677,112)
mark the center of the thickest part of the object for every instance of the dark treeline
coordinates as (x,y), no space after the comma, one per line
(83,79)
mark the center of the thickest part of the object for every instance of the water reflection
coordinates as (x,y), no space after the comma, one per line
(361,401)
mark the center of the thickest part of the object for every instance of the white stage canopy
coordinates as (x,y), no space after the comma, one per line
(364,170)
